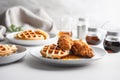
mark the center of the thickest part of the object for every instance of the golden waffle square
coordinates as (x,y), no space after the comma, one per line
(6,50)
(32,35)
(53,51)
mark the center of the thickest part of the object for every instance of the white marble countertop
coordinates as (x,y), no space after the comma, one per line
(28,68)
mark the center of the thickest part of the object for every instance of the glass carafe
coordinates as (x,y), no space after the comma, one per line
(112,42)
(93,36)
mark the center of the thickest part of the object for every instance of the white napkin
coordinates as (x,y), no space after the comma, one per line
(21,16)
(2,32)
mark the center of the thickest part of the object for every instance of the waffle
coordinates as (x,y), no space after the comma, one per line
(32,35)
(6,50)
(53,51)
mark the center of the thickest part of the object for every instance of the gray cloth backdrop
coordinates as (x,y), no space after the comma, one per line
(98,11)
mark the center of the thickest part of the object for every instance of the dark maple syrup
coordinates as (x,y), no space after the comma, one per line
(112,42)
(93,36)
(93,40)
(112,46)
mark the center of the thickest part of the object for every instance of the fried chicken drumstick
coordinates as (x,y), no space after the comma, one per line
(65,42)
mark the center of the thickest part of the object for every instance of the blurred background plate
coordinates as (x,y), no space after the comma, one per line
(11,38)
(21,52)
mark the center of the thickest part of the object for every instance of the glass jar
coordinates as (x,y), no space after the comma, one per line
(93,36)
(66,24)
(112,42)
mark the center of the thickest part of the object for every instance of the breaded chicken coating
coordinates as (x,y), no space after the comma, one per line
(82,49)
(65,42)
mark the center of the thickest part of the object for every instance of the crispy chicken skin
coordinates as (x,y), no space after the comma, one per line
(82,49)
(65,42)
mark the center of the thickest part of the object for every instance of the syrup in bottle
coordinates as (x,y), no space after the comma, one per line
(112,42)
(93,37)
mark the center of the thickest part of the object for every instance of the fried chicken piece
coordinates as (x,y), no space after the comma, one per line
(65,42)
(82,49)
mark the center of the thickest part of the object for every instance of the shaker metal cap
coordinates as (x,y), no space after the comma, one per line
(113,33)
(92,29)
(81,19)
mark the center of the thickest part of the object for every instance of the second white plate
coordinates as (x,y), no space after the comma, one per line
(11,38)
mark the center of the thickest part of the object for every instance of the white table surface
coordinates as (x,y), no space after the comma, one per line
(107,68)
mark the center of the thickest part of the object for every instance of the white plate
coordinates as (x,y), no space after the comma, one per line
(99,53)
(14,57)
(11,38)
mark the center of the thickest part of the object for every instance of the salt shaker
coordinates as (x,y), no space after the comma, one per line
(82,28)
